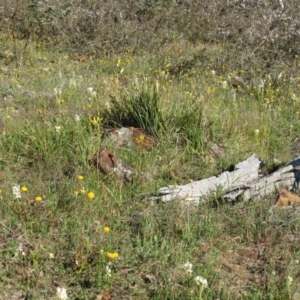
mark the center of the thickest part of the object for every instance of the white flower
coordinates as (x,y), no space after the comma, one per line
(201,281)
(91,91)
(57,129)
(289,279)
(16,191)
(213,72)
(261,85)
(188,267)
(21,249)
(51,255)
(72,82)
(107,105)
(108,270)
(256,131)
(61,293)
(77,118)
(57,92)
(224,84)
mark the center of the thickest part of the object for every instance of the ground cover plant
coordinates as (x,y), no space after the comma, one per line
(72,73)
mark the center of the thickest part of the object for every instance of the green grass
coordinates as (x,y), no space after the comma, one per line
(48,137)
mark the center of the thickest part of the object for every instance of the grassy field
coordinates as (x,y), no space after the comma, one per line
(66,226)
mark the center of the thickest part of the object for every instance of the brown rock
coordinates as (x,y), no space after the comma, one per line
(130,136)
(110,163)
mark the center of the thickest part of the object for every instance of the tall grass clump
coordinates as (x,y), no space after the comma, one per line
(186,121)
(141,108)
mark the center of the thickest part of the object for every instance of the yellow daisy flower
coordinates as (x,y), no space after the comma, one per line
(91,195)
(112,255)
(24,189)
(106,229)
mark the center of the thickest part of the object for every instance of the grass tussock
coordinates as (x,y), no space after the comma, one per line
(139,108)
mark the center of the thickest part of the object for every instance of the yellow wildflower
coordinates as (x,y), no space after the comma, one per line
(83,190)
(140,139)
(91,195)
(106,229)
(24,189)
(80,177)
(96,121)
(38,198)
(112,255)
